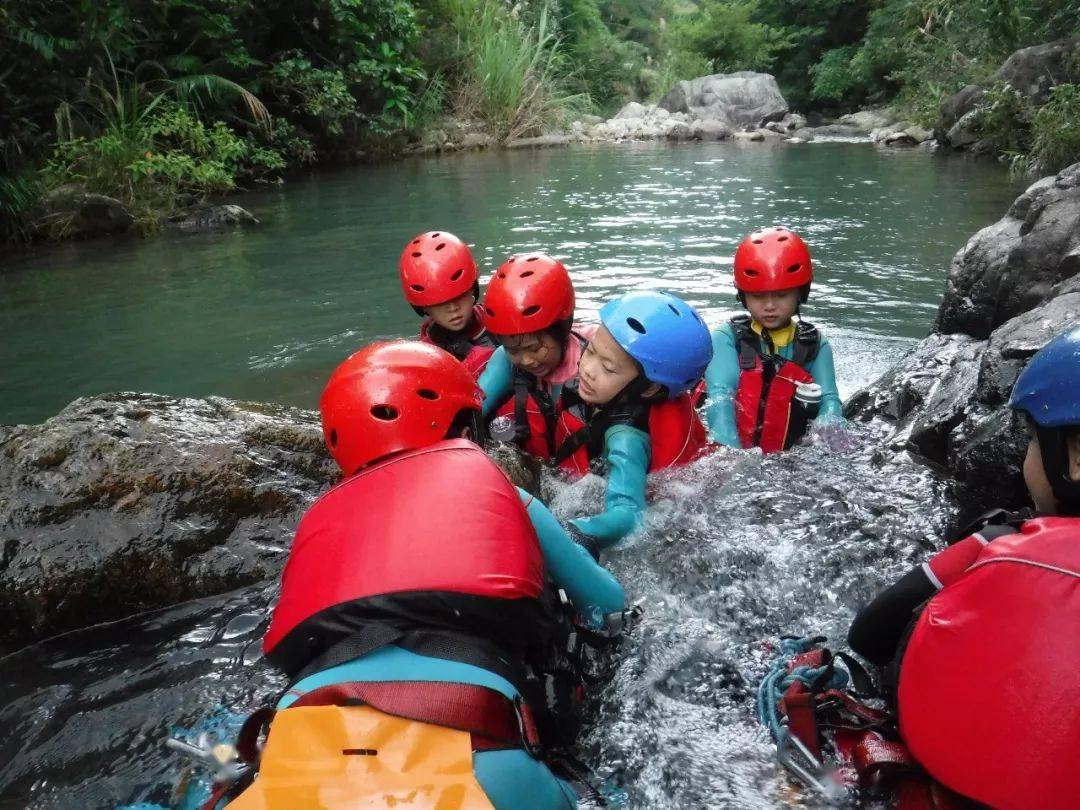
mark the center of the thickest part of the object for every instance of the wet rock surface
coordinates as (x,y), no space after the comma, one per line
(127,502)
(212,218)
(744,100)
(1011,289)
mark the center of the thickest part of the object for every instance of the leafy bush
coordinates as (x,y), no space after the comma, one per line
(727,36)
(1004,120)
(1055,129)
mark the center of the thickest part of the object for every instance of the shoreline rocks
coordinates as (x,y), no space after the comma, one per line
(1012,288)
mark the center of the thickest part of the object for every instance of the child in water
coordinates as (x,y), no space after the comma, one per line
(630,406)
(440,281)
(529,306)
(770,375)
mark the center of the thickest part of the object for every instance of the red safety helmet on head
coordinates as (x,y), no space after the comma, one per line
(437,267)
(394,396)
(773,259)
(530,292)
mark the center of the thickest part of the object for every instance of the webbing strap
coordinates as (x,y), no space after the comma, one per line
(462,706)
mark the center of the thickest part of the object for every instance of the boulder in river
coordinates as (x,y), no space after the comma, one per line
(869,120)
(743,100)
(1011,289)
(127,502)
(212,217)
(73,211)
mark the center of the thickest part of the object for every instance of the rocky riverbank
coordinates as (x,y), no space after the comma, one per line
(1011,288)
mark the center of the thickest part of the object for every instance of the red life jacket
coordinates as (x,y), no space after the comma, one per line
(534,411)
(407,543)
(987,697)
(674,427)
(765,414)
(473,349)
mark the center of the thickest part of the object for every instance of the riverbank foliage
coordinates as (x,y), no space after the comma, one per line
(161,102)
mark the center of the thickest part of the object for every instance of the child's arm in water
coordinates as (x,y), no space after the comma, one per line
(496,381)
(591,587)
(627,452)
(824,374)
(722,380)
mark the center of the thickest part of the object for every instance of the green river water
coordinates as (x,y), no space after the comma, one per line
(265,313)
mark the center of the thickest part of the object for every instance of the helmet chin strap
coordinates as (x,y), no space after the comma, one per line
(1055,456)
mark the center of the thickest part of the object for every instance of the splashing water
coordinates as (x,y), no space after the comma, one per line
(737,549)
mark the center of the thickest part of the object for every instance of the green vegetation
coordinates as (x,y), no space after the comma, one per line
(162,102)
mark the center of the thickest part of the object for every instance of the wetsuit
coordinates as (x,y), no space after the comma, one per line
(724,372)
(981,646)
(498,600)
(473,345)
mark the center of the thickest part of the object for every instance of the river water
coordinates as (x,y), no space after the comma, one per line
(736,549)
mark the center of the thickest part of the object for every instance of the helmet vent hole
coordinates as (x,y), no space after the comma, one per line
(781,239)
(333,437)
(532,258)
(530,311)
(526,274)
(416,254)
(502,275)
(440,246)
(636,325)
(751,273)
(435,236)
(427,393)
(795,268)
(457,274)
(416,241)
(756,241)
(673,309)
(384,413)
(417,287)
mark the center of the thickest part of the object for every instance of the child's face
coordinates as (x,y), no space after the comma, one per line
(538,353)
(604,370)
(1035,475)
(453,315)
(773,310)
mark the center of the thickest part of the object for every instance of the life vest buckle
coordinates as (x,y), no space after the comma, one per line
(530,736)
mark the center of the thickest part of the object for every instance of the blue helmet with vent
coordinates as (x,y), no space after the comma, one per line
(1048,391)
(664,334)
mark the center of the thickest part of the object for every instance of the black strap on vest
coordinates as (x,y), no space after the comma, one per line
(526,385)
(807,344)
(625,409)
(458,343)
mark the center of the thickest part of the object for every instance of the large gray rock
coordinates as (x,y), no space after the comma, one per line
(123,503)
(1014,265)
(869,120)
(947,400)
(72,211)
(1034,71)
(740,100)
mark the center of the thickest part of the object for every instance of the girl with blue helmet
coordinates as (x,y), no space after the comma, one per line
(630,405)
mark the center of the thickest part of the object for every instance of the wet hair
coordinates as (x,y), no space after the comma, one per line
(559,332)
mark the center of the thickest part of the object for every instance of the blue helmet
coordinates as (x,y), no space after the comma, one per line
(664,334)
(1048,391)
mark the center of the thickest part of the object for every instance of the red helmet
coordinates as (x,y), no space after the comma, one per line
(530,292)
(436,267)
(393,396)
(770,260)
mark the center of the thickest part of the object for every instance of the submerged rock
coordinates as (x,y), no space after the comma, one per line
(127,502)
(73,211)
(212,217)
(1011,289)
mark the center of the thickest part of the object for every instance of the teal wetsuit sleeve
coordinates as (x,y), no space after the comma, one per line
(722,379)
(496,380)
(627,452)
(824,374)
(590,586)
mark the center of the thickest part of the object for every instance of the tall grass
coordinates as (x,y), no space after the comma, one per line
(513,72)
